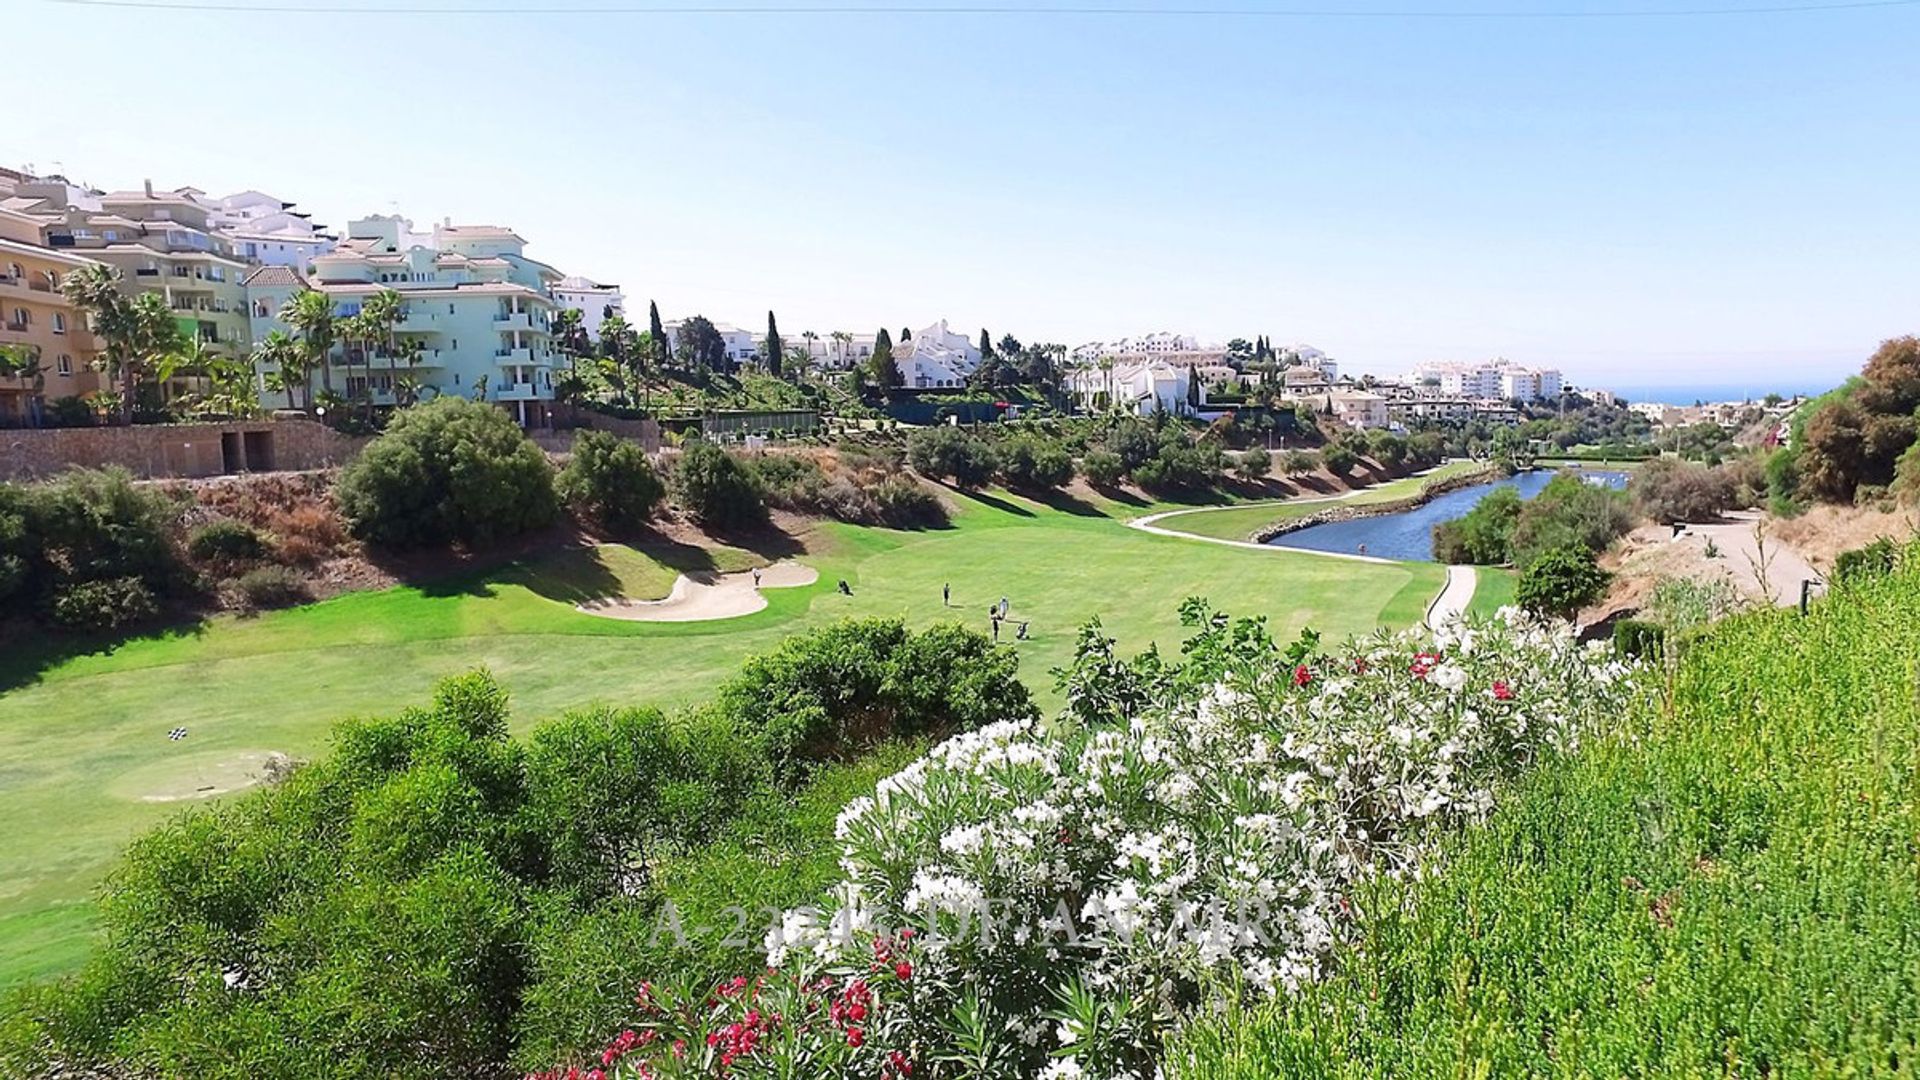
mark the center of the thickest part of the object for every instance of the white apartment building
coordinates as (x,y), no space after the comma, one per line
(936,358)
(593,300)
(1488,379)
(480,311)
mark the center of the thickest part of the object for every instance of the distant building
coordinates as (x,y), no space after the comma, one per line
(1142,387)
(35,315)
(937,358)
(1488,379)
(593,300)
(479,311)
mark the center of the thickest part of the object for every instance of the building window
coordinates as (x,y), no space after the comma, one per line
(64,365)
(59,323)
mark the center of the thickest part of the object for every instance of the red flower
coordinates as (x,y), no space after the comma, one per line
(1423,662)
(855,1036)
(1302,675)
(903,971)
(1501,691)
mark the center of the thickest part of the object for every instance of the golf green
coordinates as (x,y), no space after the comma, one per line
(86,761)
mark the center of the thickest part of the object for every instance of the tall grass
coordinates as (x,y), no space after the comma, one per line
(1729,885)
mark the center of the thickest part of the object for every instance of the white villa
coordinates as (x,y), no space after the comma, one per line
(593,300)
(480,310)
(1489,379)
(936,359)
(1143,387)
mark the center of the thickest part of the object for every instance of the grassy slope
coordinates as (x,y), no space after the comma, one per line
(1240,522)
(1726,887)
(82,743)
(1493,589)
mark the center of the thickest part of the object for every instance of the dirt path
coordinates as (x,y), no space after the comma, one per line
(701,596)
(1454,596)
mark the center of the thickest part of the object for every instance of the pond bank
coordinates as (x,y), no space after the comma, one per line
(1352,512)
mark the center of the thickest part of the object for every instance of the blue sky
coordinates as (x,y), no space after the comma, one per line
(1664,200)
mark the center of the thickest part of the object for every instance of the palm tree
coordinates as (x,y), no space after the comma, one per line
(310,313)
(379,317)
(95,290)
(287,358)
(570,336)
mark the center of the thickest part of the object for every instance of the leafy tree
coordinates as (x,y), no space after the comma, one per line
(611,479)
(448,470)
(1034,464)
(1560,582)
(1669,491)
(23,362)
(1890,383)
(886,373)
(948,452)
(1254,464)
(1339,460)
(713,486)
(1010,347)
(1301,462)
(1239,351)
(700,345)
(1103,468)
(774,350)
(1483,535)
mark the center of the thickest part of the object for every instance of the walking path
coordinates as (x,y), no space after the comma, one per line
(700,596)
(1454,596)
(1146,524)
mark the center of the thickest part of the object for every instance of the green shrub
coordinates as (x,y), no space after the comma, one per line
(715,488)
(265,587)
(1103,468)
(1339,460)
(17,550)
(1638,640)
(103,605)
(1561,581)
(1877,558)
(830,693)
(227,541)
(1181,466)
(449,470)
(1669,490)
(1484,535)
(905,504)
(949,453)
(1034,464)
(611,480)
(1301,462)
(1569,512)
(1254,464)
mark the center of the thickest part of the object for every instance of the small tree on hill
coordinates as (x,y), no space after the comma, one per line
(986,344)
(449,470)
(611,480)
(1561,581)
(701,346)
(1339,460)
(713,486)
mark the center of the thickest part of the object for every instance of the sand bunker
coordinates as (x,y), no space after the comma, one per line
(704,595)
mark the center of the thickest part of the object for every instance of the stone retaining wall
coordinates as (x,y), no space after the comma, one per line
(163,451)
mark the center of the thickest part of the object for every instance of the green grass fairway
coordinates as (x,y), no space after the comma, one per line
(1241,522)
(1493,590)
(85,758)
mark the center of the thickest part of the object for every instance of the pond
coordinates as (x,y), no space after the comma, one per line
(1408,535)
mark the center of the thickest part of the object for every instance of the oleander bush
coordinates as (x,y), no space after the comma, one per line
(1050,900)
(713,486)
(89,551)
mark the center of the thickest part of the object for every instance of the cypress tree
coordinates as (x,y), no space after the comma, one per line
(1193,388)
(661,348)
(986,345)
(773,347)
(886,374)
(906,334)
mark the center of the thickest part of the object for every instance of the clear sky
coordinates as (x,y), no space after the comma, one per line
(1657,200)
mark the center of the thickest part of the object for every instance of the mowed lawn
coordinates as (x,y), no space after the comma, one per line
(1241,522)
(85,761)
